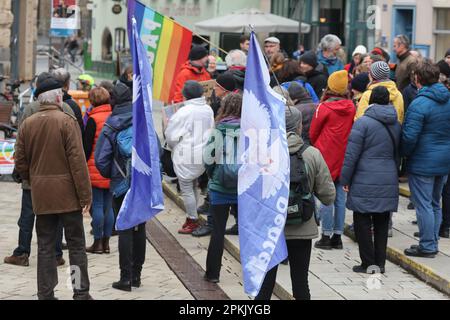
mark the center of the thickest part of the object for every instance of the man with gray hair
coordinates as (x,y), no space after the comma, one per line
(63,76)
(236,62)
(49,153)
(406,61)
(327,54)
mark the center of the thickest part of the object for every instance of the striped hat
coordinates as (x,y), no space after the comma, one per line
(380,70)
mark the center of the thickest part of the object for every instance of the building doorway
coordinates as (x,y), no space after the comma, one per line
(404,23)
(107,45)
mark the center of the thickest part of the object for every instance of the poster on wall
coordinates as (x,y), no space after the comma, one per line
(65,19)
(7,156)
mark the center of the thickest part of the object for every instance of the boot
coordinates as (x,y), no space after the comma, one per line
(336,241)
(97,247)
(136,280)
(106,245)
(324,243)
(18,260)
(122,285)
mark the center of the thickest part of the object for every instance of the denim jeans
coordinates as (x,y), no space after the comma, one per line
(333,216)
(426,195)
(102,213)
(189,193)
(26,224)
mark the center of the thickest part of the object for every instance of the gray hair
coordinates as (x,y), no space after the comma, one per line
(403,39)
(51,97)
(236,58)
(62,75)
(329,42)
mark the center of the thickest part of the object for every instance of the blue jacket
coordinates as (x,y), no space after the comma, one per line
(332,64)
(370,167)
(305,85)
(426,132)
(120,119)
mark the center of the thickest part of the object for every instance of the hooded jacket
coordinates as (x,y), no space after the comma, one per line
(320,182)
(186,137)
(330,128)
(426,132)
(396,99)
(188,72)
(370,167)
(332,64)
(120,119)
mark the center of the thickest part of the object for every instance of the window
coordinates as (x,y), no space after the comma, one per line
(442,32)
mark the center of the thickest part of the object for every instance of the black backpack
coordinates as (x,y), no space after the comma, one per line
(301,206)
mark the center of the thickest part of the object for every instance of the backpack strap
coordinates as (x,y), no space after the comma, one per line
(303,185)
(115,152)
(394,146)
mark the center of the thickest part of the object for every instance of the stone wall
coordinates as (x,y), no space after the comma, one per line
(6,19)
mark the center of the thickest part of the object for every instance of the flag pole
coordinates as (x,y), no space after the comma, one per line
(210,43)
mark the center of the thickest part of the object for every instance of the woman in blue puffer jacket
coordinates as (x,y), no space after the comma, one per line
(370,176)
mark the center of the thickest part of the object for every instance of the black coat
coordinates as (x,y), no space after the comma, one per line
(370,167)
(318,80)
(67,98)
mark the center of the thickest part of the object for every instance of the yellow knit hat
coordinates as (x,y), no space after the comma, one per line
(338,82)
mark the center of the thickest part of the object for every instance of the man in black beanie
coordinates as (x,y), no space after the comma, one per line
(193,69)
(312,70)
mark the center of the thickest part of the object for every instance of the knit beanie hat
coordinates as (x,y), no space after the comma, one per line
(338,82)
(293,119)
(360,49)
(380,70)
(444,68)
(46,82)
(192,90)
(447,53)
(380,95)
(197,53)
(298,92)
(309,58)
(226,81)
(360,82)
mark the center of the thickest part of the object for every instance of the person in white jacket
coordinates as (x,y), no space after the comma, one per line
(186,134)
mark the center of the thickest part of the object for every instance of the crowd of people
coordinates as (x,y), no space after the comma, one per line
(353,130)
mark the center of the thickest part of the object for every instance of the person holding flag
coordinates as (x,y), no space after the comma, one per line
(128,152)
(263,181)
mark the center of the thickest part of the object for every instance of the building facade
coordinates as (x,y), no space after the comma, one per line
(6,20)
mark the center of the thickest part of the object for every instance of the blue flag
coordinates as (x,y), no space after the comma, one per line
(145,198)
(263,185)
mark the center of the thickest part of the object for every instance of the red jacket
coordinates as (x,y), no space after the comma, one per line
(99,114)
(330,129)
(188,72)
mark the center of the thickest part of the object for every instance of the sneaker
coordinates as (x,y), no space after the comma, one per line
(336,242)
(411,206)
(202,231)
(417,247)
(324,243)
(417,252)
(18,260)
(233,231)
(189,226)
(122,285)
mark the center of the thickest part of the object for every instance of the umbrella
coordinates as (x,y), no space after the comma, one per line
(239,21)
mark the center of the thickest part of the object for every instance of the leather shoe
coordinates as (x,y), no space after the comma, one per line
(18,260)
(416,247)
(417,252)
(202,231)
(122,285)
(212,280)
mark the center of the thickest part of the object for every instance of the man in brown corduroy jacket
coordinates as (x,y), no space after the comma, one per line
(49,153)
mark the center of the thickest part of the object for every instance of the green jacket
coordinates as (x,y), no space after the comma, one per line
(320,182)
(214,153)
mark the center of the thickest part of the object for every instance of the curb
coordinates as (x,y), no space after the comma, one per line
(420,271)
(278,290)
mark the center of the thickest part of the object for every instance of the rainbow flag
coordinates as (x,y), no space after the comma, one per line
(7,156)
(168,45)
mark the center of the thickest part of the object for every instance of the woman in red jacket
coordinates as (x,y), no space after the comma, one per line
(329,132)
(102,213)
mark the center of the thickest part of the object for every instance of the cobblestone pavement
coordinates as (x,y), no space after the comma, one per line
(19,283)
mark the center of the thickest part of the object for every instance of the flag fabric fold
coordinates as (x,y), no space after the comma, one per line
(145,197)
(263,184)
(167,44)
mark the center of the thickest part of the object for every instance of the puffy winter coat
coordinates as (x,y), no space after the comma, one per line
(187,135)
(330,128)
(396,99)
(370,167)
(426,132)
